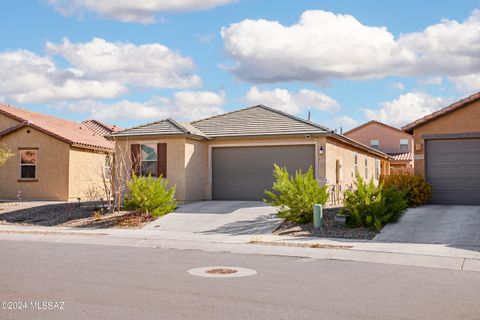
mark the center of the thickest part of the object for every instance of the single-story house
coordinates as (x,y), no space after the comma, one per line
(231,156)
(393,141)
(54,159)
(447,151)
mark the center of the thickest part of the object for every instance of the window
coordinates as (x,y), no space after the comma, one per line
(108,166)
(366,168)
(148,160)
(377,169)
(374,144)
(403,144)
(28,164)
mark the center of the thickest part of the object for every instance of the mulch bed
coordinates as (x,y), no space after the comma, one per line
(329,229)
(62,214)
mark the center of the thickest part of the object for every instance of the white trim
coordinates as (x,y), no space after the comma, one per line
(260,144)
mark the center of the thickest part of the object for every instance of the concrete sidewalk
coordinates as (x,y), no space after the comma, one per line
(424,255)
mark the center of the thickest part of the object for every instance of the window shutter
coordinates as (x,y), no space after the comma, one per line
(135,155)
(162,159)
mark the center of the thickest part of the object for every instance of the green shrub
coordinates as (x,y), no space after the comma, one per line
(295,195)
(150,195)
(373,206)
(418,191)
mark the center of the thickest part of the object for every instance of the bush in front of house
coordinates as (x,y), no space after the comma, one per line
(295,195)
(150,195)
(373,206)
(418,190)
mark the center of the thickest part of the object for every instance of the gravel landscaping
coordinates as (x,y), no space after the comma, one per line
(329,229)
(67,214)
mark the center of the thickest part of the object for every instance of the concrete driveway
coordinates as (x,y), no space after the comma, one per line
(451,225)
(220,217)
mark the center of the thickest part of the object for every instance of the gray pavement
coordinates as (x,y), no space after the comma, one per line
(98,282)
(456,226)
(220,217)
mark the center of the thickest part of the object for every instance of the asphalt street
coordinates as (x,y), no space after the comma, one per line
(104,282)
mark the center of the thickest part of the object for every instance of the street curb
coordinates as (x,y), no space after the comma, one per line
(285,249)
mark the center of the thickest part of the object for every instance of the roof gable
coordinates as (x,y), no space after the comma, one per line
(256,121)
(71,132)
(162,127)
(373,123)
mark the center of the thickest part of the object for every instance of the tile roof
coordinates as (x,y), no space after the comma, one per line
(454,106)
(100,128)
(256,121)
(163,127)
(71,132)
(401,156)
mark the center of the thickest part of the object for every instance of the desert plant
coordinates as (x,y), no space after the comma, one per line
(150,195)
(5,154)
(371,206)
(418,191)
(295,195)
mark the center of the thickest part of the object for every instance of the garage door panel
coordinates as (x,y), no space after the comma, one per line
(243,173)
(453,169)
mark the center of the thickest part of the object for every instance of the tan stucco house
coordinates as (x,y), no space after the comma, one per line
(231,156)
(396,143)
(54,159)
(447,151)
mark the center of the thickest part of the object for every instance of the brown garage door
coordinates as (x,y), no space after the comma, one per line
(453,169)
(243,173)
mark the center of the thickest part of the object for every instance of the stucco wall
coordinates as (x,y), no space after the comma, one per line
(336,150)
(85,174)
(197,186)
(464,120)
(52,166)
(389,138)
(175,161)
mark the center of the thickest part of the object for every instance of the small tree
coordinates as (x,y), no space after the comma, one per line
(5,154)
(295,195)
(150,195)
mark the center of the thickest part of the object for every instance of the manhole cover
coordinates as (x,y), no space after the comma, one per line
(221,272)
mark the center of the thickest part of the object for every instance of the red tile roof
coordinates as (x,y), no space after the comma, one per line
(100,128)
(454,106)
(404,156)
(71,132)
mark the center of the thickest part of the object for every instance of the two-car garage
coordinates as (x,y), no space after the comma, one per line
(245,172)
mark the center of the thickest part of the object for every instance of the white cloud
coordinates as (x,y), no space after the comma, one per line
(148,65)
(98,70)
(293,103)
(346,122)
(184,105)
(406,108)
(431,81)
(322,46)
(397,86)
(142,11)
(469,83)
(32,78)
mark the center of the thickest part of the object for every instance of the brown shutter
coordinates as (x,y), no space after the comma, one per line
(162,159)
(135,154)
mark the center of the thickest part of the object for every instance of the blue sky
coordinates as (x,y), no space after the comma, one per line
(345,61)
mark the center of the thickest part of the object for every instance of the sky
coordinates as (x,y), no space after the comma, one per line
(132,62)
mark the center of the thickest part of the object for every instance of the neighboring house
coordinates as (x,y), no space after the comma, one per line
(54,159)
(231,156)
(390,140)
(447,151)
